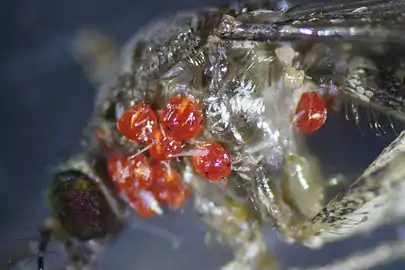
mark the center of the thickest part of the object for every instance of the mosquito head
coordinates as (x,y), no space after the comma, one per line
(80,206)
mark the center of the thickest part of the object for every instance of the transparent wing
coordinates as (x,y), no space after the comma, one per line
(374,21)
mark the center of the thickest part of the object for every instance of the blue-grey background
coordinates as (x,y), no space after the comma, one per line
(45,102)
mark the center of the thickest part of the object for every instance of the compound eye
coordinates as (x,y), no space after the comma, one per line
(113,111)
(81,206)
(110,112)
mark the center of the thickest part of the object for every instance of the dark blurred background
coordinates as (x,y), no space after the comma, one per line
(46,101)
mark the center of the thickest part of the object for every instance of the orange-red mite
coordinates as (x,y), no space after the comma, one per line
(311,112)
(140,168)
(129,174)
(116,166)
(138,123)
(215,165)
(164,175)
(175,197)
(132,176)
(164,147)
(140,205)
(182,118)
(167,186)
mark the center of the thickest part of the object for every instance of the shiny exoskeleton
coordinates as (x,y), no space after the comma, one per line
(247,63)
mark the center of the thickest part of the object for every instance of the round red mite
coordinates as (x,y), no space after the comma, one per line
(129,174)
(167,186)
(164,147)
(141,205)
(215,165)
(182,118)
(138,123)
(311,113)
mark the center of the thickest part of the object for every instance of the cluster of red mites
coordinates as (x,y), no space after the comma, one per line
(145,185)
(147,179)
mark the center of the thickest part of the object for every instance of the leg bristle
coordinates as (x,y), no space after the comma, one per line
(173,239)
(374,119)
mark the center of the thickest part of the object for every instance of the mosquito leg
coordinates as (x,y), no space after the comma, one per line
(45,237)
(381,254)
(232,223)
(46,232)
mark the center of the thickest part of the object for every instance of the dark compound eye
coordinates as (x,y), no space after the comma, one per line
(81,206)
(110,113)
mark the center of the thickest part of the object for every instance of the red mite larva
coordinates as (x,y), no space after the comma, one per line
(228,94)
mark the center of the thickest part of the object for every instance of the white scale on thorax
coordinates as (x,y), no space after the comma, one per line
(293,80)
